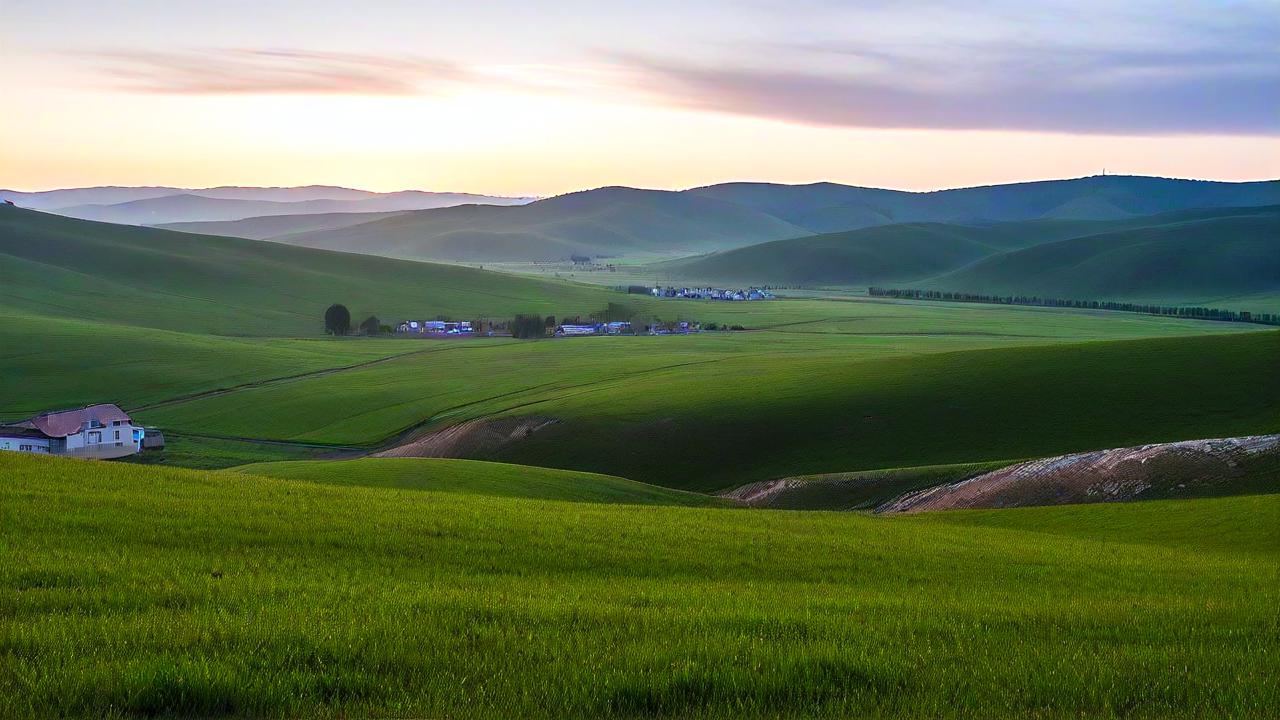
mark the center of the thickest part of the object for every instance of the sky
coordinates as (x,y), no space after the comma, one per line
(540,98)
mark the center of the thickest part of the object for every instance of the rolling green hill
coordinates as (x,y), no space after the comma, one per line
(135,591)
(62,267)
(1186,260)
(910,252)
(617,221)
(827,207)
(607,221)
(869,255)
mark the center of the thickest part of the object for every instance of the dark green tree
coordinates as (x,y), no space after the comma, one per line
(337,319)
(528,326)
(370,326)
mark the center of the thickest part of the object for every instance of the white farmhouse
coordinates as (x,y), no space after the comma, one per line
(96,431)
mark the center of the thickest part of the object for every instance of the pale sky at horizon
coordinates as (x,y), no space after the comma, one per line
(543,98)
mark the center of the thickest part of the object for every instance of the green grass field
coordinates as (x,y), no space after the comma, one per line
(52,362)
(192,334)
(580,577)
(138,591)
(713,412)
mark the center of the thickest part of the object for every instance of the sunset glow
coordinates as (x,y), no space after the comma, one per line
(433,96)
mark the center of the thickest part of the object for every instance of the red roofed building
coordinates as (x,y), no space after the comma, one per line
(97,431)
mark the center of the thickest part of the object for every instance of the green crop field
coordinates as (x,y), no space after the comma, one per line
(141,591)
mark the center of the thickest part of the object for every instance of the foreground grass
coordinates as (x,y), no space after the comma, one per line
(129,591)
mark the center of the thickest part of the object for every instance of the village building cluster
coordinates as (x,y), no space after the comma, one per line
(620,327)
(625,328)
(435,327)
(711,293)
(97,431)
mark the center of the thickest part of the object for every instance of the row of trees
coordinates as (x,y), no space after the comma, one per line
(337,321)
(1198,313)
(531,326)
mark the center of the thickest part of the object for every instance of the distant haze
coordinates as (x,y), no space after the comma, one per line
(158,205)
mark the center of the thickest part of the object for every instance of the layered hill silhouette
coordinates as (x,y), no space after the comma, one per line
(622,221)
(160,205)
(616,221)
(269,227)
(827,207)
(1095,237)
(608,221)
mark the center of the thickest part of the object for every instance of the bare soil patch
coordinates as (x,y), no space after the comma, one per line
(1193,468)
(470,439)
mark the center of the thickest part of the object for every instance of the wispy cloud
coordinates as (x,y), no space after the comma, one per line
(243,71)
(1191,73)
(1086,66)
(1229,91)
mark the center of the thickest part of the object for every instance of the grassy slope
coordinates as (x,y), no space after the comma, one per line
(675,412)
(826,207)
(1191,252)
(1197,259)
(198,283)
(478,478)
(142,591)
(895,252)
(805,416)
(608,221)
(56,362)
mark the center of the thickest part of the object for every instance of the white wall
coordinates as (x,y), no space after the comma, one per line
(40,445)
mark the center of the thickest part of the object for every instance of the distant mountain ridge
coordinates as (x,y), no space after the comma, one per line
(620,221)
(606,221)
(615,221)
(827,207)
(271,227)
(160,205)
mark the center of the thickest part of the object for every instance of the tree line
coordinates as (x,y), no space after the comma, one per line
(1195,313)
(337,321)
